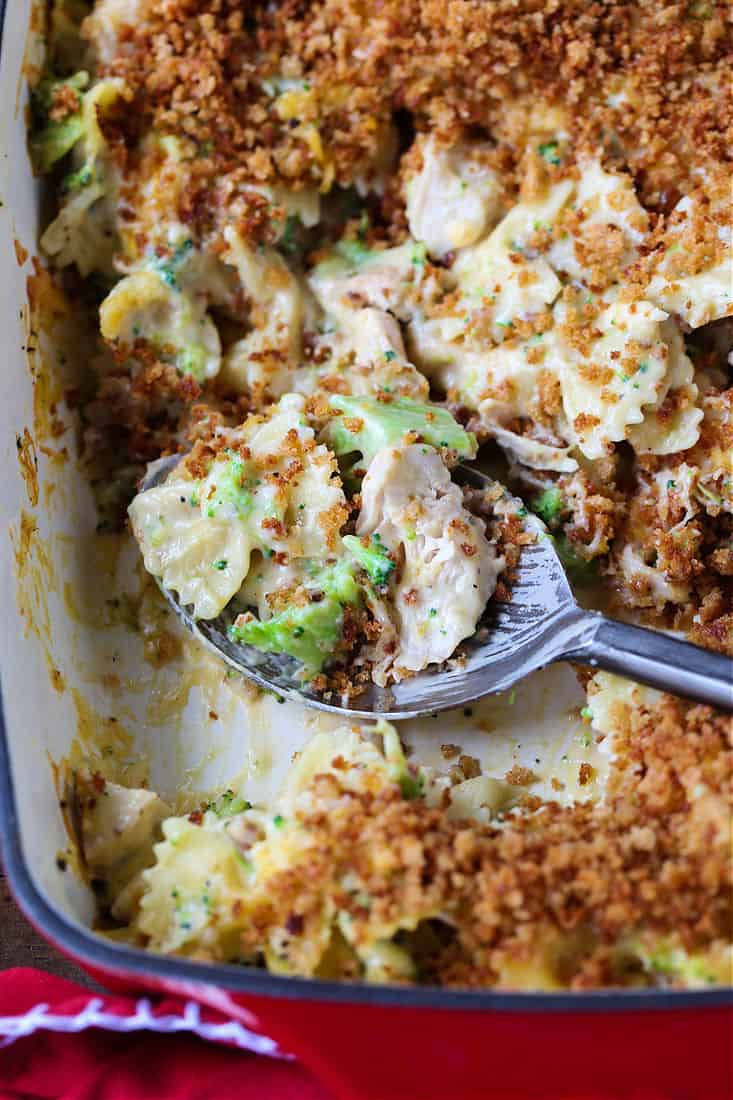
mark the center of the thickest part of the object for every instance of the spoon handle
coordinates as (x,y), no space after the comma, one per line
(655,659)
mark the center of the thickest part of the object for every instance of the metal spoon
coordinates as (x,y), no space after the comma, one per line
(541,623)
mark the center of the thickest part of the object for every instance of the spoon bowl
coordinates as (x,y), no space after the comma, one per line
(541,623)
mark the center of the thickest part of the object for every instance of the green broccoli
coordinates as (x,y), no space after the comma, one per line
(77,181)
(54,138)
(293,239)
(355,252)
(310,633)
(550,152)
(231,490)
(673,963)
(193,360)
(548,506)
(411,782)
(228,804)
(411,786)
(374,558)
(168,266)
(368,424)
(419,254)
(579,570)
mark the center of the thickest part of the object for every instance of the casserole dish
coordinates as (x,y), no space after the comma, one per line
(66,685)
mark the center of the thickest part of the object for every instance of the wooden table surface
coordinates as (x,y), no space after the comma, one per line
(20,944)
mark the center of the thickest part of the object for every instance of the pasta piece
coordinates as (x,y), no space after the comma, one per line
(117,829)
(198,534)
(211,877)
(499,282)
(692,271)
(264,360)
(84,231)
(673,422)
(609,377)
(599,236)
(148,306)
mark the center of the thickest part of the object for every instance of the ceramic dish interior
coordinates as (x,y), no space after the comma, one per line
(96,675)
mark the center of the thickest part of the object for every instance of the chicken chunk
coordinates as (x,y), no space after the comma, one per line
(449,568)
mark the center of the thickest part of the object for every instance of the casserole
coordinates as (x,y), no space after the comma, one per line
(478,1043)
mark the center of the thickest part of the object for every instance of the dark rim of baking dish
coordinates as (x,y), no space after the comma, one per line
(121,960)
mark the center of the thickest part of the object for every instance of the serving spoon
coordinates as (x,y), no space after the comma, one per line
(542,623)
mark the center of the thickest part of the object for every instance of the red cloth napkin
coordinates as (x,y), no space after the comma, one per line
(58,1041)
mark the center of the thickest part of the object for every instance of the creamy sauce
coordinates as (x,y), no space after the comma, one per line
(152,704)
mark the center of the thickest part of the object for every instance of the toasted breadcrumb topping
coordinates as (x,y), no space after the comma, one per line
(304,93)
(653,855)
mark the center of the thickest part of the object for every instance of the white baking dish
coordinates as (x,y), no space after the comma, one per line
(73,686)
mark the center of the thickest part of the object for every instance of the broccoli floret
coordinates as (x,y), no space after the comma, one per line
(355,252)
(673,963)
(411,786)
(374,558)
(368,424)
(77,181)
(548,506)
(193,360)
(54,138)
(292,241)
(579,570)
(550,152)
(168,267)
(411,783)
(310,633)
(419,254)
(228,804)
(231,491)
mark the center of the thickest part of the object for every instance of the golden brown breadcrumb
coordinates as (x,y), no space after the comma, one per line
(305,93)
(690,552)
(654,854)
